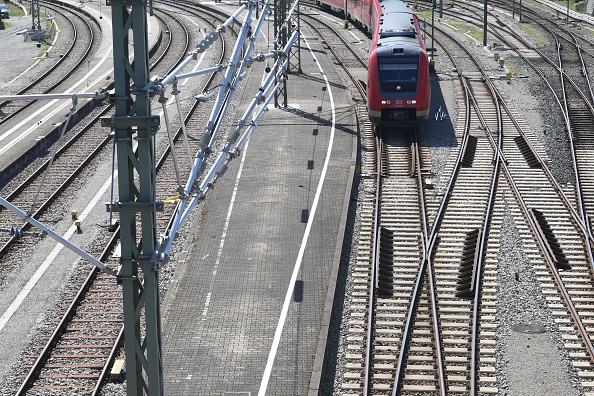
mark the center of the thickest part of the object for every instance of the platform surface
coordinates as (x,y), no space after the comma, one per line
(278,212)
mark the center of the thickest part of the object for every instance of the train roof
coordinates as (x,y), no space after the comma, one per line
(397,25)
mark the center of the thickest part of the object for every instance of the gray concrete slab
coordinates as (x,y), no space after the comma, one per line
(223,309)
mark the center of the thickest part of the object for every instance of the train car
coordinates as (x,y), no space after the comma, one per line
(398,87)
(357,11)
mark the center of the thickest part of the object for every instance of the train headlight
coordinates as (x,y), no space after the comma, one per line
(411,102)
(386,102)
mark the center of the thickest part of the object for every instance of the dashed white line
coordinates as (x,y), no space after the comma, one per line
(285,309)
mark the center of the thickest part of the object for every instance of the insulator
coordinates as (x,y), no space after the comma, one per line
(201,167)
(204,140)
(233,136)
(222,170)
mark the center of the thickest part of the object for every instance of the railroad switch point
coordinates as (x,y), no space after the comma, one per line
(78,229)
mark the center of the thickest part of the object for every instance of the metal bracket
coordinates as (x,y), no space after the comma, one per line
(138,206)
(140,122)
(125,3)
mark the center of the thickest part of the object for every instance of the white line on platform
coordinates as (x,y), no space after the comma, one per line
(49,260)
(50,109)
(284,312)
(224,234)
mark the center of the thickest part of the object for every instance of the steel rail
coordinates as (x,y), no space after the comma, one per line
(373,275)
(67,53)
(68,180)
(530,63)
(502,160)
(580,222)
(469,100)
(578,183)
(71,312)
(579,50)
(428,243)
(482,246)
(539,238)
(49,200)
(62,326)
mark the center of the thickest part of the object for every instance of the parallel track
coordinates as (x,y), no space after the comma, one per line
(84,29)
(91,323)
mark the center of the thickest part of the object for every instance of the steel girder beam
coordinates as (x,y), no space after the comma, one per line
(281,33)
(134,128)
(35,15)
(294,65)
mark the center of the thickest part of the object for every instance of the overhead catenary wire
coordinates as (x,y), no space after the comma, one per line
(263,96)
(194,188)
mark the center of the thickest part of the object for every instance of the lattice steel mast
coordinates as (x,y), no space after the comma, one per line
(135,128)
(282,31)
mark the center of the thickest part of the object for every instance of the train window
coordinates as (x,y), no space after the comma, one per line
(398,77)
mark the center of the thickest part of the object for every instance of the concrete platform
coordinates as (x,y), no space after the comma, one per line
(267,244)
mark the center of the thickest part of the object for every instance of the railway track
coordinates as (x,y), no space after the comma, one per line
(83,30)
(469,355)
(441,315)
(37,192)
(93,321)
(560,236)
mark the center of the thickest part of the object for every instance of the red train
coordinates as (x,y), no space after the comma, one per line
(398,87)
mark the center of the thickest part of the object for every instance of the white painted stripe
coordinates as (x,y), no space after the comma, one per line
(224,234)
(54,253)
(285,309)
(55,106)
(49,260)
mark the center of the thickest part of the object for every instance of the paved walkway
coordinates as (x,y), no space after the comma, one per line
(259,224)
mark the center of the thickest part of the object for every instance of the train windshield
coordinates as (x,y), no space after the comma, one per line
(398,77)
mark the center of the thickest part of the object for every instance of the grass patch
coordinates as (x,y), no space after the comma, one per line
(464,28)
(534,33)
(15,10)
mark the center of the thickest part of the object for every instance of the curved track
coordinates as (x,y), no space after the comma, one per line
(94,317)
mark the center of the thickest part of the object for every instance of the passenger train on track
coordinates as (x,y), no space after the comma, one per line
(398,87)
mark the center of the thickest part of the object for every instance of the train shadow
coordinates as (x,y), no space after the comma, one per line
(439,128)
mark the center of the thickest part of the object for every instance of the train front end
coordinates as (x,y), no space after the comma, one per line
(398,86)
(398,91)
